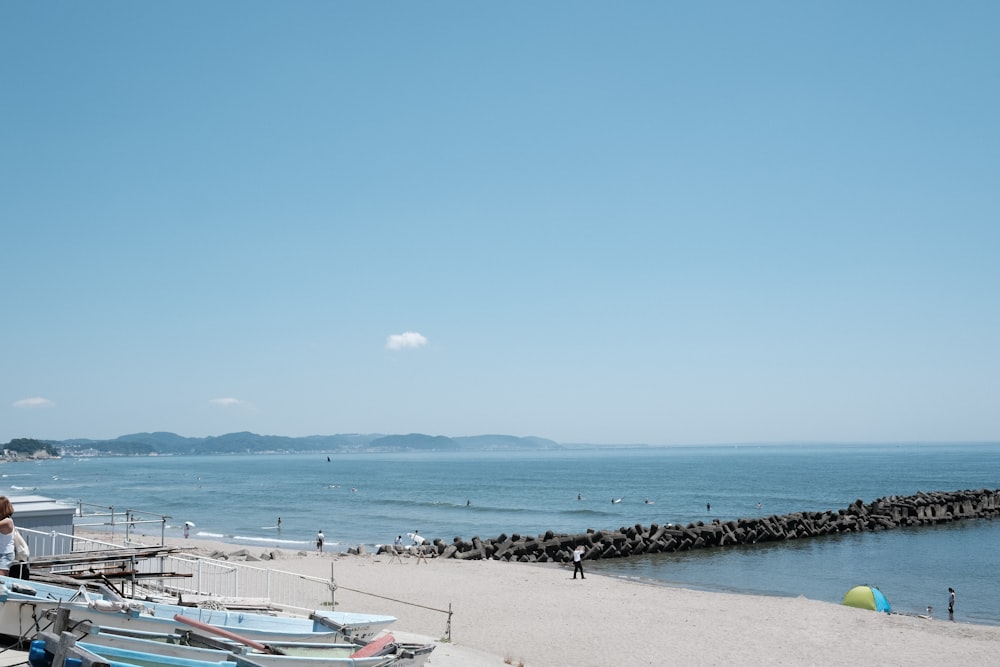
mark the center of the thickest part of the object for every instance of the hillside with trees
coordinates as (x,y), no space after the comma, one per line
(171,444)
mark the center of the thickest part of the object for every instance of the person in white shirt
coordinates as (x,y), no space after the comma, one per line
(578,561)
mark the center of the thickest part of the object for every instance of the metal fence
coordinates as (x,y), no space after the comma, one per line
(114,523)
(227,579)
(48,543)
(206,576)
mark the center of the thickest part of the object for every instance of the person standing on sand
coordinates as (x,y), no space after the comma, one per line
(951,600)
(6,535)
(578,561)
(319,542)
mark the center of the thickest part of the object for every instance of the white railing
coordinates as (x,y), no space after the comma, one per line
(182,574)
(199,575)
(51,543)
(118,524)
(208,576)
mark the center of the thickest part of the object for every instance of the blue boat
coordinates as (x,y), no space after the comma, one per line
(24,604)
(283,654)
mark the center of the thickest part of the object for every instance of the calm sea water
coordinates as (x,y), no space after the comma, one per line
(370,498)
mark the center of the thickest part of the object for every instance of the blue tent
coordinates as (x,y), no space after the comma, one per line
(867,597)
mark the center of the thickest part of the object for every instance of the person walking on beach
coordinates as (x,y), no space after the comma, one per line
(279,523)
(578,561)
(951,600)
(6,535)
(319,542)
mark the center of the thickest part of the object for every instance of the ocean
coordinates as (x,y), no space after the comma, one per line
(369,499)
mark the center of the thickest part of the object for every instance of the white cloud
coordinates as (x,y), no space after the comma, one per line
(406,340)
(36,402)
(227,402)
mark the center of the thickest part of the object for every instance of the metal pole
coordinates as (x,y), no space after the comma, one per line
(333,590)
(447,631)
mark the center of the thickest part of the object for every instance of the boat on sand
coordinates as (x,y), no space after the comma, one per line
(24,605)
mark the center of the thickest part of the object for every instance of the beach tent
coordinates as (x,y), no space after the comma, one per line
(866,597)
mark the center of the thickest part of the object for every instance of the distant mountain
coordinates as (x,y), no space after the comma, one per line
(164,443)
(505,442)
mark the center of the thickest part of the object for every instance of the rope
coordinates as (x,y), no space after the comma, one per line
(412,604)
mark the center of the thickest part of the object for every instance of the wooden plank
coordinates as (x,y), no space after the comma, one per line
(125,574)
(109,555)
(233,603)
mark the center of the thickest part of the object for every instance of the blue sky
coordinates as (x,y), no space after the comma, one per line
(650,222)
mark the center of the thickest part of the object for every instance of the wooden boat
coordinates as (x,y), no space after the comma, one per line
(23,608)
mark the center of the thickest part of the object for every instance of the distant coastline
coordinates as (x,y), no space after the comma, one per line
(171,444)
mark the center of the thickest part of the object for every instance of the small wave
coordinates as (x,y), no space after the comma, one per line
(447,505)
(589,512)
(270,540)
(202,533)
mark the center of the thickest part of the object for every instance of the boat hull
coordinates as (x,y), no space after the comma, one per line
(121,648)
(322,626)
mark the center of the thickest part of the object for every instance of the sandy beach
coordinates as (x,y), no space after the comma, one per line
(538,616)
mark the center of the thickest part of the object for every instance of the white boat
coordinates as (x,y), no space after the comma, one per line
(188,643)
(123,649)
(23,607)
(145,653)
(383,650)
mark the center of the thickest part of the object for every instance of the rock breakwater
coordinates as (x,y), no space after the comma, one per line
(886,513)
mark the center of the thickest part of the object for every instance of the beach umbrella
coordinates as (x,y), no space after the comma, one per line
(189,524)
(866,597)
